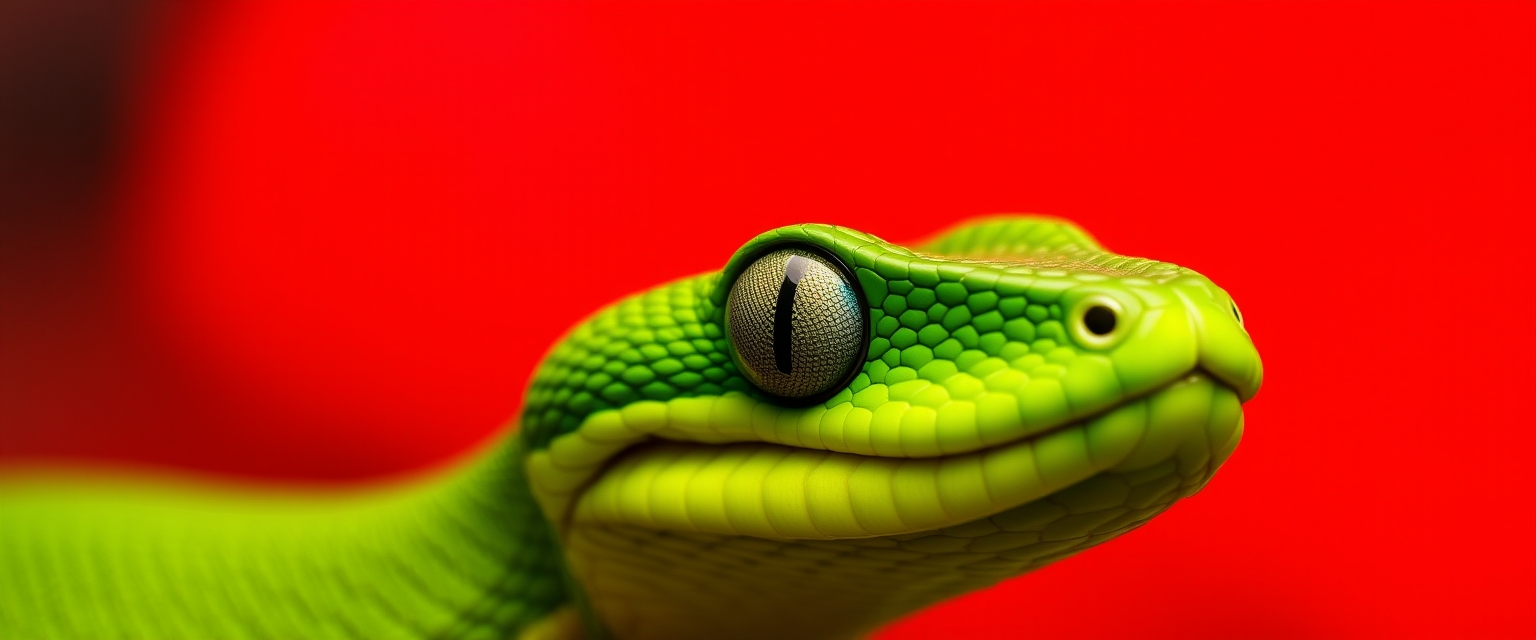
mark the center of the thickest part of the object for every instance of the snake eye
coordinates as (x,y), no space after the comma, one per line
(796,324)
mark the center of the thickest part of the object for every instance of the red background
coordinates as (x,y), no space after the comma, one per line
(345,233)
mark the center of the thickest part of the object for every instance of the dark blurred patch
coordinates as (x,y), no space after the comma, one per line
(66,72)
(65,69)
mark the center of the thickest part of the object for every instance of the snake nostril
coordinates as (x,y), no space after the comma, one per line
(1096,319)
(1099,320)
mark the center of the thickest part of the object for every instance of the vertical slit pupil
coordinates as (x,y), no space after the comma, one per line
(784,314)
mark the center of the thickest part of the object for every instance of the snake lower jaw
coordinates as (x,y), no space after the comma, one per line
(774,491)
(754,540)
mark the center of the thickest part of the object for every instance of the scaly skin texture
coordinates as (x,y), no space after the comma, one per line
(463,554)
(653,492)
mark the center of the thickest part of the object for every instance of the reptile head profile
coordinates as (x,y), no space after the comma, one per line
(835,431)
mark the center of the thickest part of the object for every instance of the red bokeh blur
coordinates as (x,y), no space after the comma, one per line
(345,233)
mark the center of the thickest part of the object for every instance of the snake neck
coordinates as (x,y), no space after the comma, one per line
(463,553)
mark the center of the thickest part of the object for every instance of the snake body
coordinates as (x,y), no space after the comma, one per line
(869,430)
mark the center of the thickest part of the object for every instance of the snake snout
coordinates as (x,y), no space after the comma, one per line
(1225,348)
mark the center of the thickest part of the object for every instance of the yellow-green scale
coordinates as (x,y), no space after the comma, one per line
(669,582)
(984,435)
(989,429)
(462,554)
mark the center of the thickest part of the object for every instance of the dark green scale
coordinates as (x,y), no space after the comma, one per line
(466,552)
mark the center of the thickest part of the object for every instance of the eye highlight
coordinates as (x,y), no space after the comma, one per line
(796,324)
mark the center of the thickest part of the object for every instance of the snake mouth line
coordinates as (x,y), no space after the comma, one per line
(780,491)
(1194,374)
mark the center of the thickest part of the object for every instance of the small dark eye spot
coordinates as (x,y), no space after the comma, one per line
(1236,313)
(1100,320)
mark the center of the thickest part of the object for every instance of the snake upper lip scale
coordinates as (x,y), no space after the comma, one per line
(830,433)
(1195,376)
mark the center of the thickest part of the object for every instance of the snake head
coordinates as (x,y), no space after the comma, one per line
(834,430)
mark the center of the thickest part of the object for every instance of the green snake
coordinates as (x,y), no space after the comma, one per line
(830,433)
